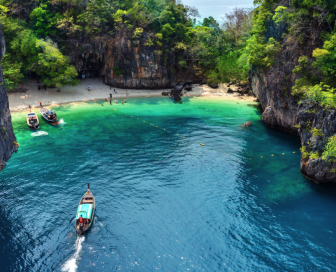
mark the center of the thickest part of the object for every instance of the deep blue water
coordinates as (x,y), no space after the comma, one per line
(164,202)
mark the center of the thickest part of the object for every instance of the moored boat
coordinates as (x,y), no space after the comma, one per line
(85,210)
(32,120)
(48,115)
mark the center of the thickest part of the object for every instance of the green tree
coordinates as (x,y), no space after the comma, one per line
(44,21)
(53,67)
(12,72)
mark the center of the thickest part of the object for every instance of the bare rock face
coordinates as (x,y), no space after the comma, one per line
(125,63)
(280,107)
(7,137)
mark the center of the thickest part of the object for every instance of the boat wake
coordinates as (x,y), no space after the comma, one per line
(70,265)
(39,133)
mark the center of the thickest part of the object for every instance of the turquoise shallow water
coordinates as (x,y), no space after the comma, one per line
(164,202)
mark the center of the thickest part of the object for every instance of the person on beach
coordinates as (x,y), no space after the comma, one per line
(122,102)
(110,96)
(126,93)
(45,86)
(116,101)
(89,87)
(38,87)
(110,101)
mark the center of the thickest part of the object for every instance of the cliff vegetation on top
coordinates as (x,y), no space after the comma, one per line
(37,33)
(293,43)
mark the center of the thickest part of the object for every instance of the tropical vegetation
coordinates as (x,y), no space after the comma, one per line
(36,33)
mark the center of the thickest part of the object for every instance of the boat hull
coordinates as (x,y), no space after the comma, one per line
(43,112)
(87,198)
(32,121)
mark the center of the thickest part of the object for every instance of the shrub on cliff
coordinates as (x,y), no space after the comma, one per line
(326,59)
(309,24)
(329,153)
(261,51)
(319,93)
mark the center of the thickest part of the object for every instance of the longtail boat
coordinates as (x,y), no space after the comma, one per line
(32,120)
(85,210)
(48,115)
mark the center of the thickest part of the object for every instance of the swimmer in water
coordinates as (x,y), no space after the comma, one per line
(122,102)
(116,101)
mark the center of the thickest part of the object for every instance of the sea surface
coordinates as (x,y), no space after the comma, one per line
(164,202)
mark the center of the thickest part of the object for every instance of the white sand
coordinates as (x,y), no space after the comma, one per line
(79,93)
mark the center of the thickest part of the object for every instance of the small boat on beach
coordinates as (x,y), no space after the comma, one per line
(32,120)
(85,210)
(48,115)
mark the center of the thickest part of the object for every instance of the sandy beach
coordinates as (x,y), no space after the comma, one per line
(99,91)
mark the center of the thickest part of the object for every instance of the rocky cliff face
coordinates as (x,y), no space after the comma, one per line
(316,126)
(126,63)
(273,87)
(273,91)
(7,137)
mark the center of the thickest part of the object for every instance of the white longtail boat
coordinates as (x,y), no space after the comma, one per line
(48,115)
(32,120)
(85,210)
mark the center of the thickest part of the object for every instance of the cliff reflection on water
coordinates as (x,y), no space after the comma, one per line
(163,201)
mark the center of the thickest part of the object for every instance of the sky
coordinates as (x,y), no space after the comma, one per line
(217,8)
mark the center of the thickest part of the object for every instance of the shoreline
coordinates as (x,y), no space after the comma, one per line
(100,91)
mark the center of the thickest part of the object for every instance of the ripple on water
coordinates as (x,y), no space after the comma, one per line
(164,202)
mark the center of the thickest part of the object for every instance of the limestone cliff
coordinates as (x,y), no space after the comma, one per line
(273,91)
(127,63)
(316,126)
(7,137)
(273,87)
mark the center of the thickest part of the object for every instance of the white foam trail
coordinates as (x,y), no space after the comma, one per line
(70,265)
(39,133)
(62,122)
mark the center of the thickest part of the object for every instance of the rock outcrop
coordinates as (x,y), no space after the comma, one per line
(7,137)
(127,63)
(316,125)
(274,94)
(247,124)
